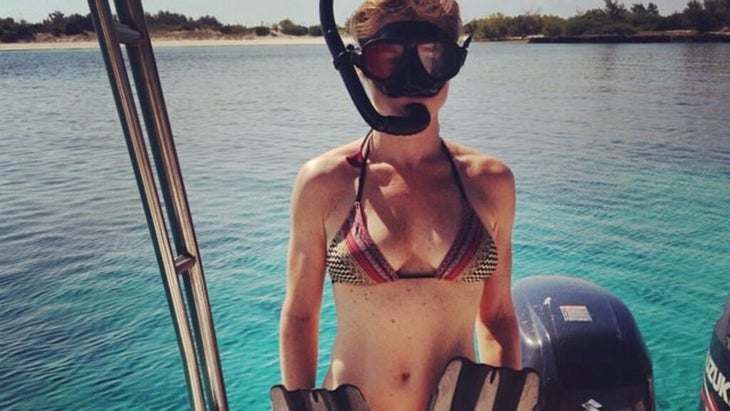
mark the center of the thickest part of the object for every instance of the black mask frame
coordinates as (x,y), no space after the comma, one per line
(409,77)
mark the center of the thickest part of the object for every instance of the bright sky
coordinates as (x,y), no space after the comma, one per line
(305,12)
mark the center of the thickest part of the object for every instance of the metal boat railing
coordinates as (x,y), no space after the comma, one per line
(169,219)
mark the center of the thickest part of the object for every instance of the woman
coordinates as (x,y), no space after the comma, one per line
(414,230)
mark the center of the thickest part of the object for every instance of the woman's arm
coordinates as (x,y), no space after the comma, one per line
(497,327)
(299,327)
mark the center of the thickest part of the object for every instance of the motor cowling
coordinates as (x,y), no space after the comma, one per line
(585,344)
(715,394)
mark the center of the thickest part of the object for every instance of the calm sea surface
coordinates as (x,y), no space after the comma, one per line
(622,159)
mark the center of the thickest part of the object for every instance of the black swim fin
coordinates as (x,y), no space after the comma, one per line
(464,386)
(467,386)
(344,398)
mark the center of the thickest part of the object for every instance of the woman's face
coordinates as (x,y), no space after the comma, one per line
(422,45)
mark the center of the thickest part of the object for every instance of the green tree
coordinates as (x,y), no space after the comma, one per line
(78,24)
(165,20)
(718,11)
(675,21)
(208,22)
(55,23)
(615,11)
(638,8)
(652,9)
(12,31)
(235,30)
(525,25)
(288,27)
(494,27)
(590,22)
(261,31)
(643,18)
(698,17)
(315,31)
(553,26)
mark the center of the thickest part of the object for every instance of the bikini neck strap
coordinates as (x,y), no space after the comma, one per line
(360,159)
(454,169)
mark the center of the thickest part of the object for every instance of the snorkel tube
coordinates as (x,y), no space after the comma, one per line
(417,118)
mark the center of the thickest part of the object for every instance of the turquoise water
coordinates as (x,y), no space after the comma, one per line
(622,159)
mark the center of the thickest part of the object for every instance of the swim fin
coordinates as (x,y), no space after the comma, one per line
(344,398)
(467,386)
(464,386)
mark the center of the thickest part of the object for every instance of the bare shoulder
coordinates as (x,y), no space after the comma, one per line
(486,177)
(327,168)
(325,182)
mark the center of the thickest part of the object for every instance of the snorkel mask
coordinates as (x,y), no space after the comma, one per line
(410,59)
(428,59)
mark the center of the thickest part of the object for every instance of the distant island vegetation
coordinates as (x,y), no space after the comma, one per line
(708,20)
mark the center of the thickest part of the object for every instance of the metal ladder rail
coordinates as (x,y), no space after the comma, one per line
(190,310)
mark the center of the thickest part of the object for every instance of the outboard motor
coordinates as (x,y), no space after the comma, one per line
(585,344)
(715,395)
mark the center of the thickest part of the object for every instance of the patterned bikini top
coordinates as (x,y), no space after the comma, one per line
(354,258)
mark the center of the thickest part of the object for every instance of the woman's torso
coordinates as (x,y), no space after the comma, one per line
(394,339)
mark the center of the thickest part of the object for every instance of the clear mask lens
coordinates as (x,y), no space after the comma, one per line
(383,58)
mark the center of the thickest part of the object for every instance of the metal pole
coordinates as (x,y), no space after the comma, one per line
(194,327)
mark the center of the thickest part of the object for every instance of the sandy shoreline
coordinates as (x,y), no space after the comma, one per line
(90,44)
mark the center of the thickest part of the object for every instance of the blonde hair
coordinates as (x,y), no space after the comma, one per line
(369,17)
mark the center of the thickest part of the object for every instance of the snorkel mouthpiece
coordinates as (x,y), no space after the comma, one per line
(417,117)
